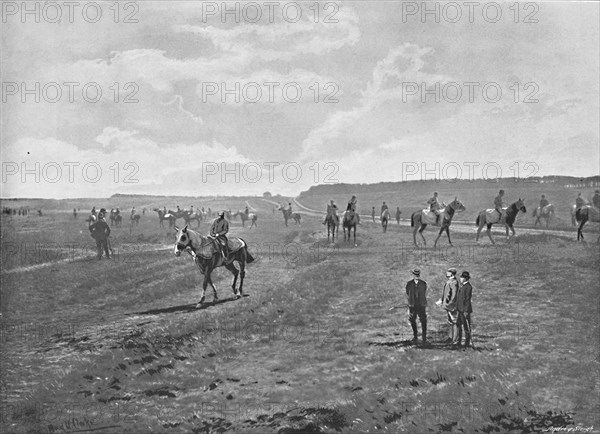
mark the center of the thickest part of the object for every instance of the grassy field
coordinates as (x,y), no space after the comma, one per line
(319,342)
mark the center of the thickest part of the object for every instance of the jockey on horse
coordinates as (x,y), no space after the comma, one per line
(434,206)
(351,209)
(331,211)
(218,232)
(498,204)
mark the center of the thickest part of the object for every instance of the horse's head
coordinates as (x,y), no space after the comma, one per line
(183,240)
(520,205)
(457,205)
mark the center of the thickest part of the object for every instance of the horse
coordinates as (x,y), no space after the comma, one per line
(420,219)
(385,216)
(188,216)
(164,216)
(134,219)
(573,216)
(545,213)
(245,217)
(115,217)
(333,225)
(349,221)
(585,214)
(287,215)
(490,217)
(207,256)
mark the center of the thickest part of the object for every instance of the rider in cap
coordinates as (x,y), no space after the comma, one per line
(434,206)
(498,203)
(218,231)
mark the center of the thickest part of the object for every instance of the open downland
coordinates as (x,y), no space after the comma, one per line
(319,342)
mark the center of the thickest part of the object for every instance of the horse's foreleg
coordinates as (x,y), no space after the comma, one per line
(204,285)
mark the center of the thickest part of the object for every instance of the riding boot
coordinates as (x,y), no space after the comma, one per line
(424,332)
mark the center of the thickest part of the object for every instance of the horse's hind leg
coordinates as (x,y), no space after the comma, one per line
(231,267)
(489,233)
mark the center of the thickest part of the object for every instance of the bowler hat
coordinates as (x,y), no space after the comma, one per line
(466,275)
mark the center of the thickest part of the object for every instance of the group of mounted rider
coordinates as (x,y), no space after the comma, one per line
(440,214)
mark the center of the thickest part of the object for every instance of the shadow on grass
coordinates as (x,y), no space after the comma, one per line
(185,308)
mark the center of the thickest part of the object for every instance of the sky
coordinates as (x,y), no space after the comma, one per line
(239,98)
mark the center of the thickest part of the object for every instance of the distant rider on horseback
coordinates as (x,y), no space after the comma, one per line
(543,202)
(247,211)
(434,206)
(331,210)
(352,207)
(383,208)
(580,202)
(218,231)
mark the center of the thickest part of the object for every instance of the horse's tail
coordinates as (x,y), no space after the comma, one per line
(249,257)
(412,221)
(477,220)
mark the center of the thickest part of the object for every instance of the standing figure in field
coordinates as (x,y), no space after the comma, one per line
(448,303)
(464,308)
(373,214)
(218,231)
(74,213)
(100,231)
(416,290)
(398,213)
(596,199)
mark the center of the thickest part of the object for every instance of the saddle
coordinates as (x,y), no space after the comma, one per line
(492,216)
(430,217)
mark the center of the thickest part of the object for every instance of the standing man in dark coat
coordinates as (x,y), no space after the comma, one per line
(417,304)
(100,231)
(464,308)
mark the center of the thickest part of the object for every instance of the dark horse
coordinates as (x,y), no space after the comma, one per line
(207,257)
(333,225)
(165,216)
(189,216)
(419,224)
(287,215)
(583,215)
(488,217)
(349,221)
